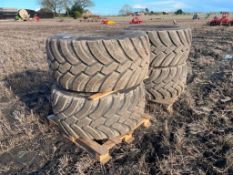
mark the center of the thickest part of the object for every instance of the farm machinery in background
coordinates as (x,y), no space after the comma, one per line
(106,21)
(196,16)
(23,15)
(224,20)
(136,20)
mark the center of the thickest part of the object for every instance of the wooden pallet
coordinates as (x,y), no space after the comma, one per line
(101,151)
(100,95)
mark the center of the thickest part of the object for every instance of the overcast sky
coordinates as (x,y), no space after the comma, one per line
(112,7)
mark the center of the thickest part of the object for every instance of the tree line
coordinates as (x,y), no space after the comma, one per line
(75,8)
(127,9)
(72,8)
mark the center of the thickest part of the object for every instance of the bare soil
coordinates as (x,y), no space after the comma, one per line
(197,138)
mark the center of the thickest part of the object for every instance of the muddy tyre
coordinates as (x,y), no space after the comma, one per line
(98,62)
(165,85)
(170,45)
(111,116)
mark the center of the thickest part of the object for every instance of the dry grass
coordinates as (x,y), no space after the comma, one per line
(196,139)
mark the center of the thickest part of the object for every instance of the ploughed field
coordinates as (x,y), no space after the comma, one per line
(197,138)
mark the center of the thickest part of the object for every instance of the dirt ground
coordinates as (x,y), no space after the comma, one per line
(197,138)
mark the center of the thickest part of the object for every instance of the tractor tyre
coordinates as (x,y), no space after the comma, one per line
(170,45)
(111,116)
(165,85)
(99,62)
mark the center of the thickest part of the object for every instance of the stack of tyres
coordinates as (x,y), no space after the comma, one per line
(83,65)
(170,47)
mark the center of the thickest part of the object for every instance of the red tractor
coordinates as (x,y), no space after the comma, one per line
(136,20)
(104,21)
(224,20)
